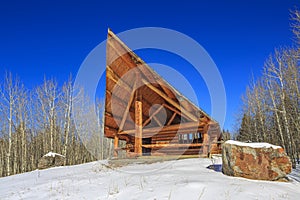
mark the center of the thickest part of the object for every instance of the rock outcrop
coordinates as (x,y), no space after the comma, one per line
(51,160)
(261,161)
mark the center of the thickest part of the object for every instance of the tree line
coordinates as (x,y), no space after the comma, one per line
(271,103)
(34,122)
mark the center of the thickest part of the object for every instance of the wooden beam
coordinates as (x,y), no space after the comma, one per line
(154,113)
(171,101)
(177,111)
(138,128)
(203,119)
(115,78)
(127,108)
(172,118)
(111,120)
(205,136)
(165,88)
(171,145)
(116,145)
(119,50)
(157,121)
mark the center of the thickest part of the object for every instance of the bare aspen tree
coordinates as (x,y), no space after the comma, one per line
(278,73)
(274,106)
(99,114)
(88,128)
(293,86)
(2,157)
(67,101)
(48,97)
(34,121)
(3,139)
(259,97)
(9,94)
(21,116)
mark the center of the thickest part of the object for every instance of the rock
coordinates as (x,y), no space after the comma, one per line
(261,161)
(51,160)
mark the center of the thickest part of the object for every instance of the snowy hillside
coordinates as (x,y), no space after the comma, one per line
(182,179)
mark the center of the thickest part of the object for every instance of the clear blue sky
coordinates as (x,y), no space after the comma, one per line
(52,38)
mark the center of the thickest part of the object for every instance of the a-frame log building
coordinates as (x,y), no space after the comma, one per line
(148,113)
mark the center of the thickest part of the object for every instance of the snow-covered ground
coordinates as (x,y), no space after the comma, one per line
(295,175)
(182,179)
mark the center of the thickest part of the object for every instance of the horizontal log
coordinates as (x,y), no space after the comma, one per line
(171,145)
(168,133)
(175,127)
(165,142)
(177,151)
(174,132)
(164,135)
(163,138)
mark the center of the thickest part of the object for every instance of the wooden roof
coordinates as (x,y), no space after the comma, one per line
(129,78)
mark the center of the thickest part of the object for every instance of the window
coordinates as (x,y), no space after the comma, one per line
(190,138)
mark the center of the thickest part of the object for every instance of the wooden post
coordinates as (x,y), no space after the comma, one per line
(205,136)
(116,145)
(138,128)
(205,143)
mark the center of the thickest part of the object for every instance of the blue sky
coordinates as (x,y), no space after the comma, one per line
(52,38)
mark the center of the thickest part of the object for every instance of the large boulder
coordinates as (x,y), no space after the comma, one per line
(51,160)
(261,161)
